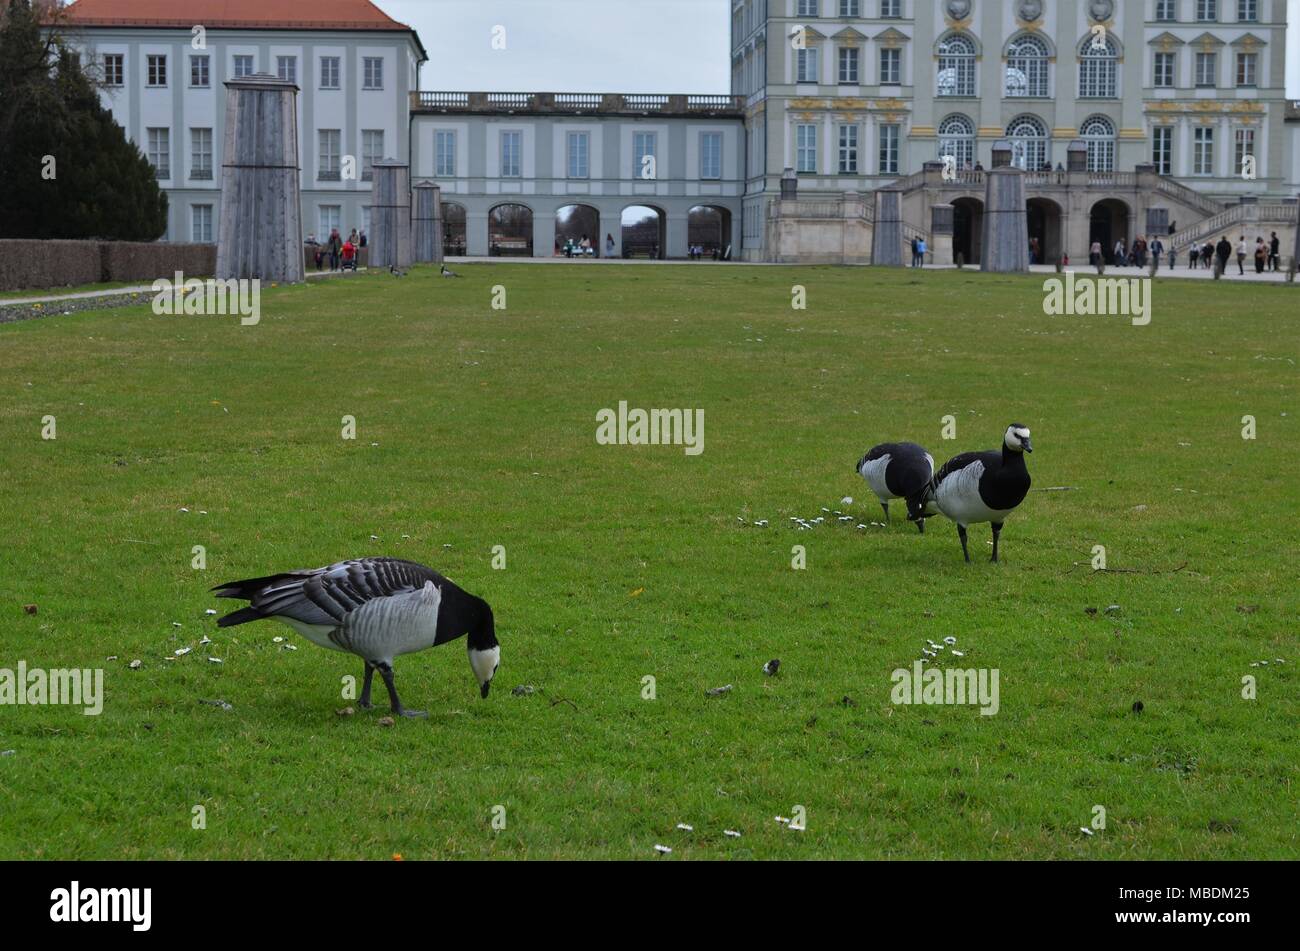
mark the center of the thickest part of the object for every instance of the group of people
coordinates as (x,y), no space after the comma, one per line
(1267,254)
(918,252)
(340,253)
(1136,255)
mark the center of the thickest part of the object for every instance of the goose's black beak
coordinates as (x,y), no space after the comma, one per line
(1025,445)
(483,691)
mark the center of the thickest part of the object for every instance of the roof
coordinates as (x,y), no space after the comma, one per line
(235,15)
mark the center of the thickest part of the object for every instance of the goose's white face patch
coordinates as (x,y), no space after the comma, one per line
(485,663)
(1016,436)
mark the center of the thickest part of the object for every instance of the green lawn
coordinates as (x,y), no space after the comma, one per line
(476,428)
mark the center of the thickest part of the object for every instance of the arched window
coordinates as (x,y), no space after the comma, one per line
(957,138)
(1099,133)
(1097,68)
(1028,138)
(1027,60)
(956,66)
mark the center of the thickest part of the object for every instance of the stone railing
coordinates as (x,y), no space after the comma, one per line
(1230,219)
(569,103)
(1188,196)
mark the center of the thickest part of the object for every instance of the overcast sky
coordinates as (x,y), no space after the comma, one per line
(602,45)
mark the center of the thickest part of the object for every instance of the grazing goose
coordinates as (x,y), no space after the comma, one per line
(448,272)
(376,608)
(900,470)
(984,486)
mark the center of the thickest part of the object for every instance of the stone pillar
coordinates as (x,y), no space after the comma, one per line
(390,214)
(1295,257)
(428,222)
(1005,244)
(941,234)
(476,233)
(260,235)
(887,235)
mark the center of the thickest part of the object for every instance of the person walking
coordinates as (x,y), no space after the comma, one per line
(1094,253)
(1274,252)
(1193,256)
(609,245)
(1222,252)
(335,248)
(1208,253)
(1261,254)
(920,252)
(1121,254)
(1241,255)
(1157,250)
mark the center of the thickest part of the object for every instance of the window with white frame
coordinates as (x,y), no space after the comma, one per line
(1164,65)
(157,70)
(1097,68)
(1244,145)
(1028,138)
(160,152)
(200,72)
(957,138)
(891,67)
(201,154)
(114,69)
(848,149)
(1207,69)
(1207,11)
(372,72)
(331,151)
(329,72)
(201,224)
(1247,66)
(286,67)
(849,65)
(1098,133)
(808,8)
(644,145)
(1166,11)
(1162,149)
(711,155)
(850,8)
(1203,150)
(1248,11)
(372,151)
(243,65)
(805,142)
(511,154)
(956,66)
(579,149)
(331,218)
(444,150)
(806,65)
(889,137)
(1027,66)
(891,9)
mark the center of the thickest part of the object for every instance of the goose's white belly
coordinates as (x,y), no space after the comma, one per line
(318,634)
(874,472)
(958,497)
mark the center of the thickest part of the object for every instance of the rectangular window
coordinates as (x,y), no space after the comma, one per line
(891,67)
(201,154)
(1207,11)
(643,149)
(331,150)
(1248,11)
(1164,74)
(372,151)
(1203,150)
(710,155)
(511,148)
(891,9)
(848,150)
(114,69)
(1246,68)
(444,149)
(889,150)
(850,8)
(286,68)
(1245,145)
(244,66)
(200,72)
(808,8)
(160,152)
(201,224)
(157,70)
(329,72)
(331,217)
(806,65)
(849,65)
(1166,11)
(1162,149)
(373,72)
(579,155)
(1207,66)
(805,148)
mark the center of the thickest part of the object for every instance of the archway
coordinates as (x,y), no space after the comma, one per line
(709,227)
(453,229)
(967,228)
(510,230)
(1108,223)
(1044,218)
(644,232)
(572,224)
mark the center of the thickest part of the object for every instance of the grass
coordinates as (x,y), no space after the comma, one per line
(476,428)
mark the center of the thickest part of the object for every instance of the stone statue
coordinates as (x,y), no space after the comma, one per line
(1101,10)
(1031,10)
(958,9)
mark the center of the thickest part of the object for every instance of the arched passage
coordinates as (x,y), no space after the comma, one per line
(709,227)
(1108,223)
(967,225)
(453,228)
(572,224)
(644,232)
(510,230)
(1044,218)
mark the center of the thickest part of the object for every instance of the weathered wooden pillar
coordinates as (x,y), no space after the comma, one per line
(428,222)
(1006,227)
(390,214)
(887,235)
(260,235)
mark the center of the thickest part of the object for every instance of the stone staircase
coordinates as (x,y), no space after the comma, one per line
(1252,216)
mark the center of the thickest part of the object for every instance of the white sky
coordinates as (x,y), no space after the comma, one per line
(664,46)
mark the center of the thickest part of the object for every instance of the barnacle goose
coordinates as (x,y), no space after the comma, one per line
(900,470)
(376,608)
(984,486)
